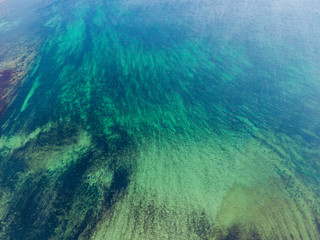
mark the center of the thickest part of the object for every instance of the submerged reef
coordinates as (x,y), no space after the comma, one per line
(5,80)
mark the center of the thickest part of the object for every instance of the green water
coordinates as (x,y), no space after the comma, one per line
(164,120)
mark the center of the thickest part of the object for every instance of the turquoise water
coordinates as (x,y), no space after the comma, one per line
(162,120)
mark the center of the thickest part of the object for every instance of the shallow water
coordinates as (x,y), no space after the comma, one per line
(161,120)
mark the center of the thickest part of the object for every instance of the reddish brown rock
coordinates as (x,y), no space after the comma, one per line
(9,81)
(5,77)
(13,76)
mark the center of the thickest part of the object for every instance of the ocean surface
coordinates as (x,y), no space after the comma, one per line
(136,119)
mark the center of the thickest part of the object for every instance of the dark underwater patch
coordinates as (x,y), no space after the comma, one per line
(200,224)
(26,216)
(237,232)
(10,168)
(44,204)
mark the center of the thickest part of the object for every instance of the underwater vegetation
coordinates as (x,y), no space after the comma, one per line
(134,119)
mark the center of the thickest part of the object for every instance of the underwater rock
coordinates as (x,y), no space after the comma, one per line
(6,88)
